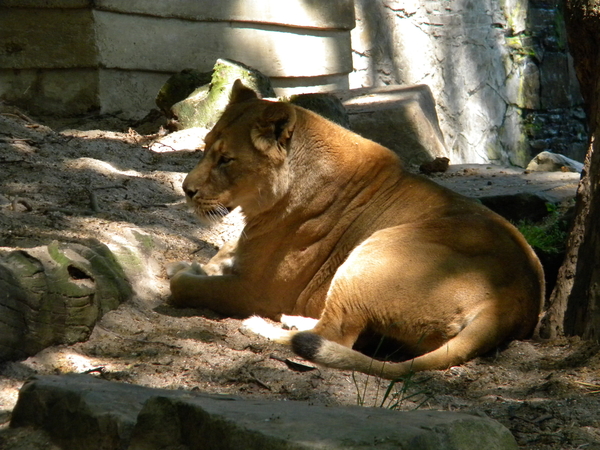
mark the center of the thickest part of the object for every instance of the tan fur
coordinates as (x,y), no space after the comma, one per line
(337,230)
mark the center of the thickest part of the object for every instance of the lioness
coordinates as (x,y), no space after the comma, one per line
(338,231)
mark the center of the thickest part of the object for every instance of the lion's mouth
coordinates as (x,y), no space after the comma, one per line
(214,213)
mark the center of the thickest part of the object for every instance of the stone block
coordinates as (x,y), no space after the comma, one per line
(134,47)
(136,42)
(332,14)
(63,92)
(47,3)
(516,14)
(130,93)
(555,72)
(46,39)
(326,105)
(403,119)
(513,137)
(523,83)
(521,206)
(82,412)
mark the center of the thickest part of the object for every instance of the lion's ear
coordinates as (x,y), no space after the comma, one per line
(240,93)
(274,128)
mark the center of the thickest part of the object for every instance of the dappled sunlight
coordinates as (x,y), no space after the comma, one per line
(294,13)
(292,53)
(301,45)
(102,167)
(62,360)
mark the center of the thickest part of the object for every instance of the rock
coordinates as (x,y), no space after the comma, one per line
(516,207)
(55,294)
(206,104)
(179,86)
(523,84)
(115,56)
(83,412)
(439,164)
(478,181)
(190,139)
(554,162)
(401,118)
(483,61)
(326,105)
(556,72)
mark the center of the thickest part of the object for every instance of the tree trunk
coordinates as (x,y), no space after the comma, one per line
(575,302)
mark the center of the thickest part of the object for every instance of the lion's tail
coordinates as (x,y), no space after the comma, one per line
(477,338)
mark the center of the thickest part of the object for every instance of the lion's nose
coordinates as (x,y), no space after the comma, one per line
(189,191)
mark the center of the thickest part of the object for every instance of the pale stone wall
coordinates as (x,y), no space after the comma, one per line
(499,70)
(70,56)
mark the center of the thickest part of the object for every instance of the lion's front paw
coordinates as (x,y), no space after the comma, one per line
(260,326)
(176,267)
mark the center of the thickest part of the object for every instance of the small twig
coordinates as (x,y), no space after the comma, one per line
(160,146)
(18,115)
(12,140)
(93,200)
(258,381)
(595,387)
(155,205)
(293,365)
(69,212)
(543,418)
(110,186)
(21,201)
(100,370)
(94,205)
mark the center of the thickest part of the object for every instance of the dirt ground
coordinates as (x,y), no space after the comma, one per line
(96,177)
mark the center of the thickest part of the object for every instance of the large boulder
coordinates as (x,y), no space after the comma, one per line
(203,107)
(554,162)
(179,86)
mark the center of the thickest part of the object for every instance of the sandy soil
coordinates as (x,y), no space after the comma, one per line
(96,177)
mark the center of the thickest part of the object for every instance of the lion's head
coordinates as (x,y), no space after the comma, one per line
(245,158)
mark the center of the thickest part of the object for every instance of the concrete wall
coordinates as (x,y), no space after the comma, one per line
(499,70)
(74,55)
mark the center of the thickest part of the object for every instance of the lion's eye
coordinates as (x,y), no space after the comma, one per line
(223,160)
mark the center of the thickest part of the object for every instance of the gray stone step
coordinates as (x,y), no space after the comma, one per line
(71,56)
(83,412)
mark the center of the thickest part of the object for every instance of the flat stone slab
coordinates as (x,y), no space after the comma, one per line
(482,180)
(402,118)
(84,412)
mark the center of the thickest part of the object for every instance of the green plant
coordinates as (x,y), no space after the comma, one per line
(395,395)
(396,392)
(550,235)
